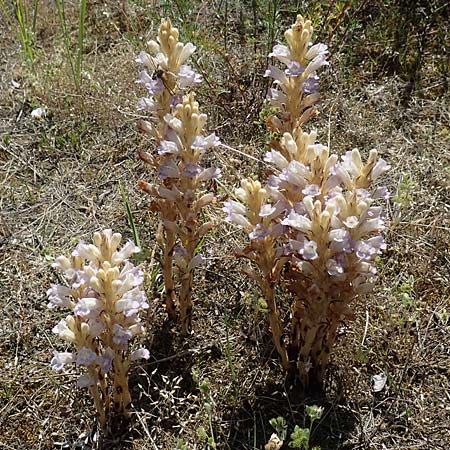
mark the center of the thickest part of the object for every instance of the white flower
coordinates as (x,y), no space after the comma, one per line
(351,222)
(63,331)
(276,158)
(233,207)
(282,53)
(59,360)
(316,50)
(87,251)
(126,251)
(38,113)
(58,296)
(187,77)
(297,221)
(88,306)
(141,353)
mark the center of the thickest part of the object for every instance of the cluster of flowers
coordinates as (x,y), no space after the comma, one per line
(179,194)
(315,217)
(104,292)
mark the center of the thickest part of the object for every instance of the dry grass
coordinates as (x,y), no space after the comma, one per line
(59,182)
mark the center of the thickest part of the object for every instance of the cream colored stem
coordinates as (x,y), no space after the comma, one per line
(274,320)
(168,274)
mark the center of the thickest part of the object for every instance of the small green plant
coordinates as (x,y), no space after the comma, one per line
(406,294)
(208,406)
(405,191)
(280,426)
(301,437)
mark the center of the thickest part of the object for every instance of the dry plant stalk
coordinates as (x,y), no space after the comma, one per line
(317,221)
(105,296)
(179,195)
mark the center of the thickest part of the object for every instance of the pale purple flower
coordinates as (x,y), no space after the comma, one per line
(105,360)
(259,232)
(186,52)
(85,381)
(148,104)
(129,249)
(266,210)
(316,64)
(316,50)
(85,357)
(294,69)
(205,143)
(168,147)
(297,221)
(168,169)
(276,158)
(312,190)
(187,76)
(121,335)
(60,359)
(282,53)
(131,302)
(233,207)
(210,173)
(339,235)
(240,220)
(144,58)
(191,170)
(276,97)
(304,247)
(176,100)
(130,269)
(311,84)
(277,74)
(153,86)
(295,174)
(309,250)
(88,306)
(378,243)
(351,222)
(334,268)
(58,296)
(370,225)
(141,353)
(367,250)
(63,331)
(380,167)
(87,251)
(381,192)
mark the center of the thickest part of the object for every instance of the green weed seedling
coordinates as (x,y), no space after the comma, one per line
(301,437)
(208,406)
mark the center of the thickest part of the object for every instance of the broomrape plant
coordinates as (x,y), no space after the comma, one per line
(179,194)
(104,293)
(314,223)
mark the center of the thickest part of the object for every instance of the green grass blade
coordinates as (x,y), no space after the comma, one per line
(79,61)
(130,216)
(62,19)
